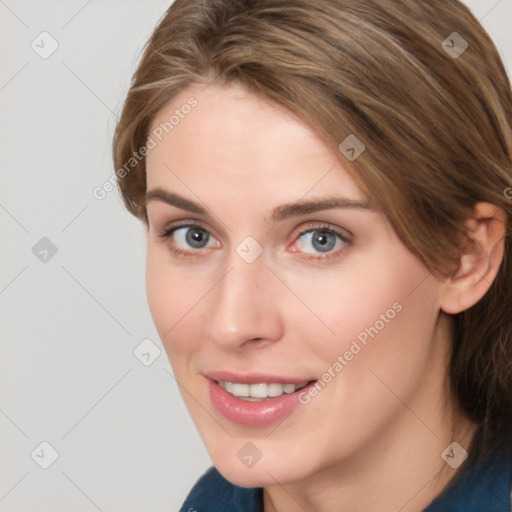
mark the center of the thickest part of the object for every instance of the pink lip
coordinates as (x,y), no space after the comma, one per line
(254,414)
(255,378)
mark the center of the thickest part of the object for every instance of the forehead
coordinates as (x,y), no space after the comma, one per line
(231,139)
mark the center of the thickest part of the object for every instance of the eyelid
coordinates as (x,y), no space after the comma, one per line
(309,226)
(344,234)
(185,223)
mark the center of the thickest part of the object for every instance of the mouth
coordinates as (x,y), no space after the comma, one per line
(261,390)
(255,400)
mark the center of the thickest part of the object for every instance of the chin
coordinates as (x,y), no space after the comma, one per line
(257,476)
(235,465)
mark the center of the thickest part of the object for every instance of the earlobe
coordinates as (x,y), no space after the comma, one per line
(479,265)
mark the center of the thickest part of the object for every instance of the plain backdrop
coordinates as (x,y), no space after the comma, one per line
(90,419)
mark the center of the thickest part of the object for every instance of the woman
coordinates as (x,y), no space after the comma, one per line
(324,187)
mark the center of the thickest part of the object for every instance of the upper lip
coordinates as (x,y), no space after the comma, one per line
(254,378)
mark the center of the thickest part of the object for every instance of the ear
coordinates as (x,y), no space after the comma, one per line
(479,264)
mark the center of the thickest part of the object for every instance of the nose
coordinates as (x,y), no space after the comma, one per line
(244,305)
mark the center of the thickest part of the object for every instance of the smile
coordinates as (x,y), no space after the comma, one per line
(260,391)
(255,400)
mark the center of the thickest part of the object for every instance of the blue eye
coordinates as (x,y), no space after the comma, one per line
(191,236)
(196,238)
(321,239)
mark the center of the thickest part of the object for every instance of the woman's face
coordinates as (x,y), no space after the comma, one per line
(265,292)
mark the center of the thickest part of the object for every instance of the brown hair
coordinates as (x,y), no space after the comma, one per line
(436,126)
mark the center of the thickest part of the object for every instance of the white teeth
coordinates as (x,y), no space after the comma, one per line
(240,389)
(260,391)
(289,388)
(275,390)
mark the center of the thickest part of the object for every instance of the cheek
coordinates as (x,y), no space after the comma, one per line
(384,328)
(377,314)
(367,293)
(172,298)
(382,357)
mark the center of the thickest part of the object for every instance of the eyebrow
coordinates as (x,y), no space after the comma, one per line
(278,214)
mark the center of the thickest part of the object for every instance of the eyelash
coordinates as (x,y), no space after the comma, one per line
(324,228)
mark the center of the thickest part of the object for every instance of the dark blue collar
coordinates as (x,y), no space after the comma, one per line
(483,487)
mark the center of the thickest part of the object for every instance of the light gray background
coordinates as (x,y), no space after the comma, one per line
(69,325)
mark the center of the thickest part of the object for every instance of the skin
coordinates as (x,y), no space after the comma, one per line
(373,437)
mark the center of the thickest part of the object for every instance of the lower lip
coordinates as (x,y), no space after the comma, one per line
(254,414)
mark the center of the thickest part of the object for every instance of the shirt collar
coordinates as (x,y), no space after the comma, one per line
(482,486)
